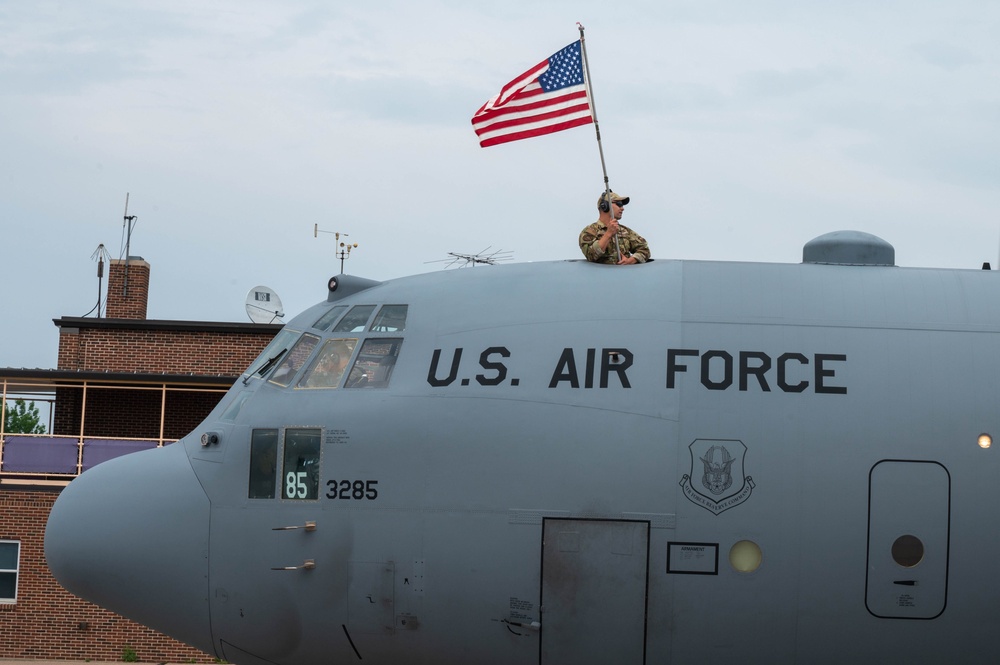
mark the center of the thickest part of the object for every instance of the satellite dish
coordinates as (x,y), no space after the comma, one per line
(264,305)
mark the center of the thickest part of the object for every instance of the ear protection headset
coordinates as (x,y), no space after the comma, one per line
(604,206)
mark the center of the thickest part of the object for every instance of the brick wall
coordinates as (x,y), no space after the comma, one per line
(155,351)
(46,622)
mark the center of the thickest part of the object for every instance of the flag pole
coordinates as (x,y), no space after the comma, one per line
(597,127)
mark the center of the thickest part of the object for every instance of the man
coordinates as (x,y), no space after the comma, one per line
(607,241)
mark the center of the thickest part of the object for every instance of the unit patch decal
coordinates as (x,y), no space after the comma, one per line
(717,481)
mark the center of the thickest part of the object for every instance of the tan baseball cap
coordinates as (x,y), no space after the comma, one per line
(615,198)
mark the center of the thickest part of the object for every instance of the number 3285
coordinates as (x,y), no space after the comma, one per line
(352,489)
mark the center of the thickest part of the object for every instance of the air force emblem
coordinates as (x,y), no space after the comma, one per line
(717,481)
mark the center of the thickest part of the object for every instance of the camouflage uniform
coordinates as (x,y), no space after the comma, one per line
(630,242)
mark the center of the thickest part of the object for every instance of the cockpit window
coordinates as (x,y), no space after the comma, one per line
(355,320)
(294,359)
(301,464)
(272,352)
(391,318)
(327,319)
(375,363)
(263,463)
(328,367)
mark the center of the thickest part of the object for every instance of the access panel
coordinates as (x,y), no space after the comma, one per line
(908,532)
(594,575)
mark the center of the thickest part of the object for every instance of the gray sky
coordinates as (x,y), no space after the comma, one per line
(741,130)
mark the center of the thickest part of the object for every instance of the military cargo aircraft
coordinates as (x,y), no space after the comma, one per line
(571,463)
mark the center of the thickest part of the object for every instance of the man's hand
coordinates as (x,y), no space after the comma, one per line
(628,260)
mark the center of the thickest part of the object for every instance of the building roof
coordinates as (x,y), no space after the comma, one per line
(163,324)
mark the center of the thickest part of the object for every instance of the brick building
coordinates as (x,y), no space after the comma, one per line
(123,383)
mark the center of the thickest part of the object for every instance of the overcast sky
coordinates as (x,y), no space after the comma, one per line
(741,130)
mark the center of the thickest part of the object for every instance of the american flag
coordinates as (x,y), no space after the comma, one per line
(549,97)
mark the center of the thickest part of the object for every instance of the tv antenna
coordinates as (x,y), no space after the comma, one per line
(263,305)
(128,224)
(100,255)
(343,248)
(482,257)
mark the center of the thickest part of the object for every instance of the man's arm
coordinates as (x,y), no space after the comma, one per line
(590,242)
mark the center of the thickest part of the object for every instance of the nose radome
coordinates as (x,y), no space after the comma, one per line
(131,535)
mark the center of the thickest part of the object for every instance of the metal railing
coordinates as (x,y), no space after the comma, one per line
(62,457)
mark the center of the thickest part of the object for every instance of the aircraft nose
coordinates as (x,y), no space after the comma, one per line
(131,535)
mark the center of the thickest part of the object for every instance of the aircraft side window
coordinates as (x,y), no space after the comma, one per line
(391,318)
(263,463)
(300,468)
(374,363)
(355,320)
(327,319)
(294,359)
(329,365)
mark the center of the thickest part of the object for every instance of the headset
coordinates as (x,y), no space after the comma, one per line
(603,204)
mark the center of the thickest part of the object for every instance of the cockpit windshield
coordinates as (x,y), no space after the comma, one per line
(272,353)
(329,365)
(294,359)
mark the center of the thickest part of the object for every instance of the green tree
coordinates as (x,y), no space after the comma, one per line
(23,418)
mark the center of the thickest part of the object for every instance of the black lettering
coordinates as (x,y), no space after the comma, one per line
(759,370)
(618,367)
(588,379)
(673,367)
(727,379)
(432,372)
(822,372)
(782,372)
(500,368)
(565,370)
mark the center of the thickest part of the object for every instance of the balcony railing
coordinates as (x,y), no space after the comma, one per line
(58,458)
(48,456)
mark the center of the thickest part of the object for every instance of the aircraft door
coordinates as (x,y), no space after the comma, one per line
(908,531)
(594,576)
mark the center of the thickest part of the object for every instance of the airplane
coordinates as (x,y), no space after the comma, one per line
(570,463)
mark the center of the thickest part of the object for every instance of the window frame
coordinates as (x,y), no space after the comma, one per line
(15,571)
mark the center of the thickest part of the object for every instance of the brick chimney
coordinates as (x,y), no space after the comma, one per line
(128,289)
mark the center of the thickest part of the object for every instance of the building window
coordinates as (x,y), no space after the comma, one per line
(10,554)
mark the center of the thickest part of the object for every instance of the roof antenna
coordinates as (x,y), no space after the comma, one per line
(127,224)
(100,255)
(482,257)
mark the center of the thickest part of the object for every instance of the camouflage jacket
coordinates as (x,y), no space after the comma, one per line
(630,242)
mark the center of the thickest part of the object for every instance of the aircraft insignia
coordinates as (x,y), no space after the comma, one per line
(717,481)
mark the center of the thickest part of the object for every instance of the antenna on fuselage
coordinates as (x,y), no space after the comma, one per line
(473,259)
(342,249)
